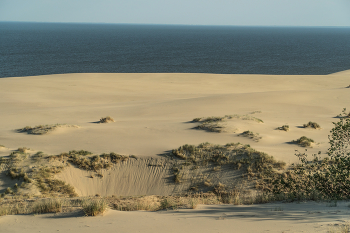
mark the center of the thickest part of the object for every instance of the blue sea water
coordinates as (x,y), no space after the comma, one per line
(28,49)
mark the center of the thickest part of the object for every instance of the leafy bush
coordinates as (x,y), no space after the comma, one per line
(327,178)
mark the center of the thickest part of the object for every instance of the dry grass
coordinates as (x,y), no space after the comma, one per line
(83,160)
(106,119)
(283,127)
(94,207)
(311,124)
(214,123)
(42,129)
(304,141)
(233,158)
(47,206)
(251,135)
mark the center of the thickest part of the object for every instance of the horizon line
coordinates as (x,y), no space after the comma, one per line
(160,24)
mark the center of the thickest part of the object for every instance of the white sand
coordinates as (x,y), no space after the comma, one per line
(277,217)
(153,114)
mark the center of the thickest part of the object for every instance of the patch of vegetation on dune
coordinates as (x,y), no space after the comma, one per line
(33,170)
(303,141)
(251,135)
(83,160)
(250,164)
(106,119)
(215,123)
(311,124)
(283,127)
(42,129)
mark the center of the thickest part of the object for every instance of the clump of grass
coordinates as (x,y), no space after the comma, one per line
(48,206)
(94,207)
(304,141)
(167,203)
(51,186)
(251,135)
(196,119)
(211,126)
(244,117)
(95,163)
(311,124)
(23,149)
(106,119)
(41,129)
(284,127)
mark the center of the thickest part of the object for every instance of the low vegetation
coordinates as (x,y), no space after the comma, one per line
(304,141)
(42,129)
(234,158)
(311,124)
(106,119)
(283,127)
(82,160)
(47,206)
(94,207)
(215,123)
(251,135)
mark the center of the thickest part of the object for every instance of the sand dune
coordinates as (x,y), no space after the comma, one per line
(153,114)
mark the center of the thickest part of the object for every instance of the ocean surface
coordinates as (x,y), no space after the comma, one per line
(28,49)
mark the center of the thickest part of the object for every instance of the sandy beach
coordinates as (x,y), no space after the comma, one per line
(153,114)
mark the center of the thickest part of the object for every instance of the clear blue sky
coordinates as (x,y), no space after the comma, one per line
(192,12)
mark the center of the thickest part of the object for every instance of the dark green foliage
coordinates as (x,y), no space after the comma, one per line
(327,178)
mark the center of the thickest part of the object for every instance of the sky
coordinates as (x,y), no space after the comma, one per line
(188,12)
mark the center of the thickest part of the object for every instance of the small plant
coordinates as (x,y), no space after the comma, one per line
(48,206)
(251,135)
(106,119)
(167,203)
(197,119)
(284,127)
(312,125)
(304,141)
(23,149)
(193,203)
(94,207)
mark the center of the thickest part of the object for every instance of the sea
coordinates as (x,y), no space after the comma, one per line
(28,49)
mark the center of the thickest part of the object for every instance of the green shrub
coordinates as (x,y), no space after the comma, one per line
(327,178)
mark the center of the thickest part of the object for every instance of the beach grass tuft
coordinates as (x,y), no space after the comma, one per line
(304,141)
(106,119)
(311,124)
